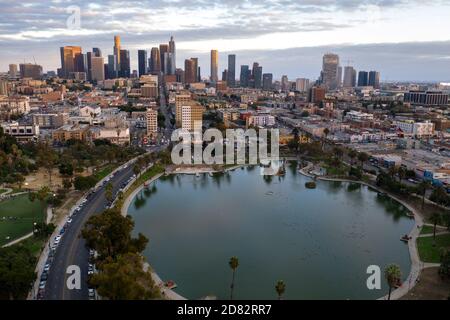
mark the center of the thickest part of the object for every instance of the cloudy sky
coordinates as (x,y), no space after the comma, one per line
(403,39)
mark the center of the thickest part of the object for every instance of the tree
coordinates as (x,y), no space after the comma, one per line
(326,132)
(440,196)
(109,191)
(393,276)
(234,264)
(136,169)
(47,158)
(280,287)
(84,183)
(17,274)
(435,220)
(422,189)
(338,152)
(109,233)
(352,154)
(363,157)
(124,279)
(20,179)
(401,173)
(67,184)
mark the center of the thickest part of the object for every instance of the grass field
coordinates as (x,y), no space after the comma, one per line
(430,253)
(103,172)
(17,216)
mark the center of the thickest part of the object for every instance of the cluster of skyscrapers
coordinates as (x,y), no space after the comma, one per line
(332,76)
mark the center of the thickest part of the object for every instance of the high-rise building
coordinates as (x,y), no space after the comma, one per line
(285,83)
(98,69)
(163,50)
(329,74)
(374,79)
(3,88)
(302,84)
(116,52)
(231,75)
(245,75)
(155,58)
(97,52)
(267,81)
(112,72)
(180,101)
(179,73)
(29,70)
(152,123)
(214,66)
(317,94)
(189,71)
(349,77)
(363,79)
(13,70)
(196,70)
(224,75)
(71,60)
(125,69)
(257,75)
(142,62)
(339,77)
(173,56)
(192,117)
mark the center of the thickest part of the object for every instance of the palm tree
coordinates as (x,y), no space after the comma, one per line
(109,191)
(326,132)
(401,173)
(234,263)
(280,287)
(352,154)
(363,157)
(393,276)
(422,188)
(435,219)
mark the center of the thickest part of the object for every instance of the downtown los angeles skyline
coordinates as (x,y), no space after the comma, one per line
(399,47)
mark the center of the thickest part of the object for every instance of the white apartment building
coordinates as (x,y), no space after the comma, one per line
(14,105)
(22,133)
(417,129)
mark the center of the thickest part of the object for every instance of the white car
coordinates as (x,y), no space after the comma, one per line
(69,220)
(47,267)
(42,284)
(91,294)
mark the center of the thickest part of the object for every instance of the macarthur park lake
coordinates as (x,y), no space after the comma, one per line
(318,241)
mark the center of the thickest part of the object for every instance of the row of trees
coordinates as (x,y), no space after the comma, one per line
(120,264)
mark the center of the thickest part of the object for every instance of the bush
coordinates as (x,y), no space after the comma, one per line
(84,183)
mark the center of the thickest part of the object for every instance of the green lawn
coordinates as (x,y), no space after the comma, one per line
(17,216)
(430,253)
(2,191)
(103,172)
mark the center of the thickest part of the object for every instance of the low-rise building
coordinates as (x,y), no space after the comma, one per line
(22,133)
(71,132)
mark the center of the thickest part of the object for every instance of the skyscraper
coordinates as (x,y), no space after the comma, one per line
(97,52)
(173,57)
(142,62)
(116,52)
(29,70)
(189,71)
(363,79)
(231,75)
(267,81)
(214,65)
(98,69)
(155,65)
(13,70)
(374,79)
(349,77)
(196,70)
(112,72)
(330,70)
(125,69)
(302,84)
(257,75)
(70,60)
(284,83)
(244,77)
(163,50)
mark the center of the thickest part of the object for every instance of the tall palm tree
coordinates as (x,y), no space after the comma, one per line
(393,276)
(422,188)
(234,263)
(280,287)
(435,219)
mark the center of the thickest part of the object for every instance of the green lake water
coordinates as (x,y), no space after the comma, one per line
(320,241)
